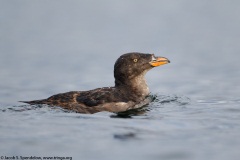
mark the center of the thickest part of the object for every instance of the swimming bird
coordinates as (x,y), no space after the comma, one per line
(130,91)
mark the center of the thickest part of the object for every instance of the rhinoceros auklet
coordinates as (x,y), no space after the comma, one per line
(130,90)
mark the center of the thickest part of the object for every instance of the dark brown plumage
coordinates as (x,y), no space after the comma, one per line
(130,90)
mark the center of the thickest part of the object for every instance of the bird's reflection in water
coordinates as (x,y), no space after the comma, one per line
(130,113)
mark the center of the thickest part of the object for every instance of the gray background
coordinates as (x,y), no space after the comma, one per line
(48,47)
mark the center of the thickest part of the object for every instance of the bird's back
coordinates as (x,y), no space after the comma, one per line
(100,99)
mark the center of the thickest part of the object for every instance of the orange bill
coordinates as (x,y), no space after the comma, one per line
(159,61)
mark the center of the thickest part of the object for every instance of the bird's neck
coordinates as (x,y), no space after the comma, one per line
(137,85)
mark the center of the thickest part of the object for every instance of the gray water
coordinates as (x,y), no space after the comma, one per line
(49,47)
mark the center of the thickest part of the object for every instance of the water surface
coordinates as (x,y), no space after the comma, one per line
(49,47)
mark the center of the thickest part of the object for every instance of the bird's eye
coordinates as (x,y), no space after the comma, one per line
(135,60)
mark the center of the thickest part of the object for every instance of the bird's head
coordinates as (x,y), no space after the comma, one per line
(131,65)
